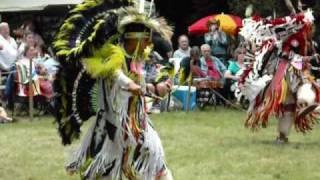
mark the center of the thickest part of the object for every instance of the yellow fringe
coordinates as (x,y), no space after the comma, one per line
(284,89)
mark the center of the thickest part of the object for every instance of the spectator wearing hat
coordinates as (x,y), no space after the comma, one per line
(217,40)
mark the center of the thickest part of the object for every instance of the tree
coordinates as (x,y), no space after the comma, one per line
(203,8)
(262,8)
(268,7)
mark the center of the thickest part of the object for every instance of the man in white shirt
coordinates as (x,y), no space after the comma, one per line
(184,48)
(8,48)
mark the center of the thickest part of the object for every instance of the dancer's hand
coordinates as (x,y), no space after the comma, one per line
(169,85)
(135,89)
(164,88)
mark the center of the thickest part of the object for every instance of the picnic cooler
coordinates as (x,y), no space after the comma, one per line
(181,93)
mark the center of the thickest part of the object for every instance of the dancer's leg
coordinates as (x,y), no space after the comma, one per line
(284,126)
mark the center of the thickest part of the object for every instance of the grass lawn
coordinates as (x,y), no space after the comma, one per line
(199,145)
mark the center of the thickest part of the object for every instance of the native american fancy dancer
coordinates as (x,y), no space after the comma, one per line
(277,77)
(102,47)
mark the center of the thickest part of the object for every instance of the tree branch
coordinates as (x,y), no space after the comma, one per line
(290,6)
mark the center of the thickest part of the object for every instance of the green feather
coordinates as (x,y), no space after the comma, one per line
(99,24)
(182,76)
(105,62)
(62,42)
(86,5)
(166,72)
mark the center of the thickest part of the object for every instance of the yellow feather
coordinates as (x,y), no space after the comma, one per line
(86,5)
(106,61)
(284,88)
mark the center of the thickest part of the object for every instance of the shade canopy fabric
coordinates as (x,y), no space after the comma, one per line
(228,23)
(32,5)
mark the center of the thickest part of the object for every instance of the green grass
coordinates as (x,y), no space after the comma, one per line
(199,145)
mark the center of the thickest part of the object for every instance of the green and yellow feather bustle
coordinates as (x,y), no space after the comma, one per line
(106,61)
(87,4)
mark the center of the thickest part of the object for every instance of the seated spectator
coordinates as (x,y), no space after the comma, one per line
(8,48)
(214,69)
(211,66)
(28,40)
(29,26)
(45,60)
(46,68)
(184,48)
(23,72)
(18,80)
(217,40)
(158,90)
(45,82)
(235,65)
(232,75)
(191,64)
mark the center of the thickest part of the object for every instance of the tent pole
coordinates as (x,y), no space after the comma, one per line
(30,92)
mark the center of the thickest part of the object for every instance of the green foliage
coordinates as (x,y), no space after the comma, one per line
(265,8)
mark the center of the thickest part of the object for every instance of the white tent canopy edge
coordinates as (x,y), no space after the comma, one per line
(32,5)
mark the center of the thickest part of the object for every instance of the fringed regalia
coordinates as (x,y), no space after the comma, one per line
(277,79)
(94,73)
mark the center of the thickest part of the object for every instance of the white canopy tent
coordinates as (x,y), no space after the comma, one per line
(32,5)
